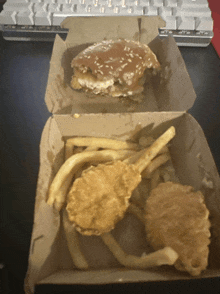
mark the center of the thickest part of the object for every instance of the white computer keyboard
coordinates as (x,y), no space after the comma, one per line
(189,21)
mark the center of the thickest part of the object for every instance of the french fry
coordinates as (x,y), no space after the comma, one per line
(71,150)
(61,182)
(80,170)
(155,163)
(161,257)
(155,179)
(102,143)
(132,159)
(73,243)
(68,150)
(154,149)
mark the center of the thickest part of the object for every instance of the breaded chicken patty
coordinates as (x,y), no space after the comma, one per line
(100,197)
(177,216)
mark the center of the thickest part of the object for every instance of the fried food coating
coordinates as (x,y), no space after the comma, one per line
(100,197)
(177,216)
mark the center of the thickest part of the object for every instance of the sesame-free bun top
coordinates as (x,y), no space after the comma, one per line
(113,67)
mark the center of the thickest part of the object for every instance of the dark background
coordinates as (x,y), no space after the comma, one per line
(23,76)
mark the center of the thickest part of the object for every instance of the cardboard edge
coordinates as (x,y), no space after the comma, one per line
(55,70)
(104,277)
(180,77)
(210,187)
(43,233)
(152,22)
(86,29)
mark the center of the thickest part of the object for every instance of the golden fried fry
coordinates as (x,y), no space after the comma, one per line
(155,148)
(155,164)
(68,150)
(132,159)
(85,166)
(73,243)
(164,256)
(61,182)
(102,143)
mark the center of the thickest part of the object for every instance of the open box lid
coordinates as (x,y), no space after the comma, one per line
(172,91)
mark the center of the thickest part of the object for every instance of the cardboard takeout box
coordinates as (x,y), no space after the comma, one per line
(165,104)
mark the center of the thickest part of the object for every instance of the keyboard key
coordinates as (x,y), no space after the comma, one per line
(157,3)
(170,23)
(108,10)
(143,3)
(171,3)
(43,18)
(96,10)
(70,2)
(81,9)
(110,4)
(136,10)
(89,8)
(16,1)
(8,17)
(123,3)
(204,24)
(195,3)
(62,2)
(151,11)
(25,18)
(54,7)
(96,3)
(49,1)
(18,6)
(35,1)
(102,9)
(186,23)
(123,10)
(165,11)
(116,9)
(40,7)
(194,12)
(67,8)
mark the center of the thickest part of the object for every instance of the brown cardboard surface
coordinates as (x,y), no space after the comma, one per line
(50,260)
(171,90)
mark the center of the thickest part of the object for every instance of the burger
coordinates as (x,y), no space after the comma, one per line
(114,68)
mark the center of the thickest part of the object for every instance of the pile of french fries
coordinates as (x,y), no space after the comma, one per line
(149,155)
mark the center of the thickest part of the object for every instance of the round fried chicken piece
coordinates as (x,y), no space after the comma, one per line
(100,197)
(96,211)
(177,216)
(114,68)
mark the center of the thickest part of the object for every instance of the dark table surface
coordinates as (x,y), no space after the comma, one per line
(23,76)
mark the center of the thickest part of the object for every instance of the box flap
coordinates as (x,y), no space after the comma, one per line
(96,29)
(172,90)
